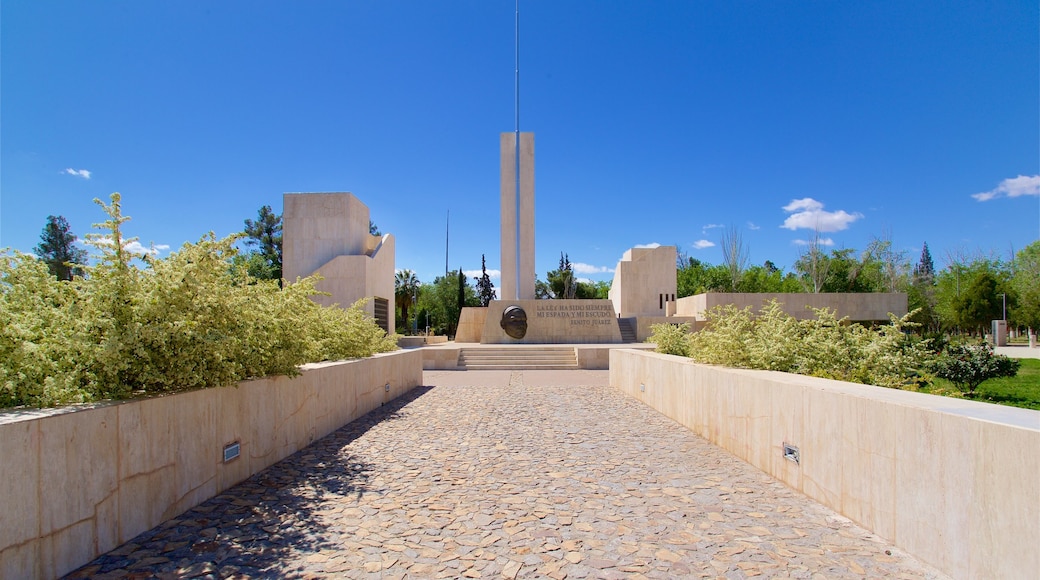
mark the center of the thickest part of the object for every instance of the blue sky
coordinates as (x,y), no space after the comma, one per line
(655,122)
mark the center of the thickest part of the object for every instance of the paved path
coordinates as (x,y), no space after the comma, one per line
(534,474)
(1018,351)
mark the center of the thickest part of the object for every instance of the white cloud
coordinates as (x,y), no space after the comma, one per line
(478,273)
(807,213)
(704,229)
(701,244)
(137,247)
(585,280)
(581,268)
(804,204)
(1012,187)
(752,226)
(650,245)
(78,172)
(134,247)
(821,242)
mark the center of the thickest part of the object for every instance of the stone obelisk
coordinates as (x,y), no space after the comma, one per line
(518,275)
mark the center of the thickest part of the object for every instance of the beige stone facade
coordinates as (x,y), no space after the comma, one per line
(953,482)
(555,322)
(327,234)
(513,237)
(78,482)
(858,307)
(644,282)
(471,324)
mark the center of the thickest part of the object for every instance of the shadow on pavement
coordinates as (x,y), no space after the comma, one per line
(251,528)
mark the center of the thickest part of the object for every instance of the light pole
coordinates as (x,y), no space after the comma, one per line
(1004,299)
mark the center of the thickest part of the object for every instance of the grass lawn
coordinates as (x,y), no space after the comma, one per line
(1021,390)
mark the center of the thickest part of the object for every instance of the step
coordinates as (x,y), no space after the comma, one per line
(628,330)
(548,358)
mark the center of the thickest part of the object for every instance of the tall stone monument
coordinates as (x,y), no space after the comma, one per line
(518,275)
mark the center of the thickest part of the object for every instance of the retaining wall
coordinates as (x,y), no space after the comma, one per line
(956,483)
(79,481)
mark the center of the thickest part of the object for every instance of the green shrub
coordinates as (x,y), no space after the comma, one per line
(968,365)
(671,338)
(824,346)
(192,320)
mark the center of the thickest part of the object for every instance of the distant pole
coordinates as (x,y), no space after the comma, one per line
(447,221)
(516,146)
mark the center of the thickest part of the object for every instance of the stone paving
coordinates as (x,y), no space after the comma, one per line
(533,474)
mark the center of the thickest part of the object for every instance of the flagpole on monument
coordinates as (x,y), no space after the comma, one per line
(516,147)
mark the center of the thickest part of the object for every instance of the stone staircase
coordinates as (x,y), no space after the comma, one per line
(518,358)
(628,329)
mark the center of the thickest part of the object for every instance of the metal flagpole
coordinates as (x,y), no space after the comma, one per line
(516,147)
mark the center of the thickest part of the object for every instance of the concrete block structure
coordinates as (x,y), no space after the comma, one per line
(644,282)
(951,481)
(79,481)
(327,234)
(858,307)
(517,228)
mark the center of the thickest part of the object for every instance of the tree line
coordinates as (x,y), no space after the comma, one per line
(961,298)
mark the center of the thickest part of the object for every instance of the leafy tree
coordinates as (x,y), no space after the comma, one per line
(979,303)
(969,365)
(57,248)
(847,273)
(461,296)
(1026,283)
(601,290)
(768,278)
(373,229)
(254,264)
(485,290)
(968,292)
(542,290)
(441,301)
(698,277)
(406,286)
(265,236)
(561,281)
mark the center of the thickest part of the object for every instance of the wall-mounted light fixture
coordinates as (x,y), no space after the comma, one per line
(232,451)
(791,453)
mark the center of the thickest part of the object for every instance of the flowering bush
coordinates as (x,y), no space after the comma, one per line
(671,338)
(191,320)
(968,365)
(824,346)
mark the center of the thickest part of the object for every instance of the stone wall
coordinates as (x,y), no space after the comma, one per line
(857,306)
(956,483)
(77,482)
(471,324)
(555,322)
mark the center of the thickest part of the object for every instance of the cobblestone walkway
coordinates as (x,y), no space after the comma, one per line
(509,474)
